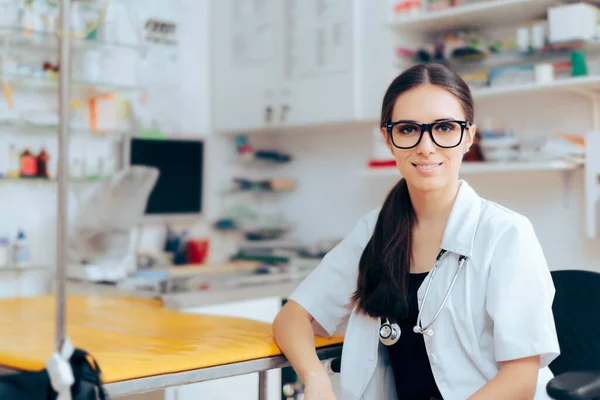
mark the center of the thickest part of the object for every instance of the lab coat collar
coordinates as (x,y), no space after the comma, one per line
(462,222)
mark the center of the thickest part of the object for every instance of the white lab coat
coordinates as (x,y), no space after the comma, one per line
(500,307)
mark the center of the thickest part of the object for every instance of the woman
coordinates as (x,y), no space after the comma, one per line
(493,337)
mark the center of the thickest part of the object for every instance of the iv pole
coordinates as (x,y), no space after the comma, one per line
(64,112)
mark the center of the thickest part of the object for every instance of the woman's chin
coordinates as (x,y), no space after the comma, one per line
(427,183)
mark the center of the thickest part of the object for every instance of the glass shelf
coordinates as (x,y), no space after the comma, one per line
(25,268)
(22,37)
(51,180)
(39,129)
(46,82)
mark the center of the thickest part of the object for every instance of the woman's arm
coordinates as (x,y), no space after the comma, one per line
(517,379)
(293,333)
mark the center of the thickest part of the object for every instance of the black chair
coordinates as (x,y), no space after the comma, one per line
(576,311)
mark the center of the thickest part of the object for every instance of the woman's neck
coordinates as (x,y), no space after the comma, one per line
(433,207)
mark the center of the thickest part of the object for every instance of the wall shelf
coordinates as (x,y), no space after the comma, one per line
(45,40)
(28,128)
(43,82)
(487,14)
(35,180)
(473,168)
(585,84)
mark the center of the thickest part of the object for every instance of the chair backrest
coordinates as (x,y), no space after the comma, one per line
(576,310)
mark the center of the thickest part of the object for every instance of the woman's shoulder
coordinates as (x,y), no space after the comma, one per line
(370,217)
(365,225)
(497,220)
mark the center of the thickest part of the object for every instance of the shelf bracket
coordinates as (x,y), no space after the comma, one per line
(592,182)
(567,188)
(595,100)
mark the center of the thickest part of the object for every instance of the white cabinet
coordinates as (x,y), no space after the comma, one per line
(194,56)
(303,62)
(318,73)
(246,63)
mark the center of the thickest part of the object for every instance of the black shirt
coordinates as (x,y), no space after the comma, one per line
(412,371)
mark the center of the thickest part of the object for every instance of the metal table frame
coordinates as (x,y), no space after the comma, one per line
(261,365)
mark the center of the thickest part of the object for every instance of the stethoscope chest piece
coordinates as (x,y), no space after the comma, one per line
(389,333)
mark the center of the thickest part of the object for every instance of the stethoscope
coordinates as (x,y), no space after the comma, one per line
(389,333)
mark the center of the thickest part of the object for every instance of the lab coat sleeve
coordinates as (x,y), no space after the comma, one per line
(326,292)
(519,297)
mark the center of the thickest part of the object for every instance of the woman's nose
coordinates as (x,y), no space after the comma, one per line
(426,145)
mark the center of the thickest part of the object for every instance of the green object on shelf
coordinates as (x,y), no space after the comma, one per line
(152,134)
(578,63)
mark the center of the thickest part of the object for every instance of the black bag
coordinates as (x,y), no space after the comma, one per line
(37,386)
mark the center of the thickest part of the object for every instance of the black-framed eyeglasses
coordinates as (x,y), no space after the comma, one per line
(444,133)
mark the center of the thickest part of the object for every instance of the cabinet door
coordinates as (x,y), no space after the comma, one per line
(246,63)
(375,56)
(195,80)
(318,73)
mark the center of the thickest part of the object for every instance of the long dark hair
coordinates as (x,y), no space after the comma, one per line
(385,262)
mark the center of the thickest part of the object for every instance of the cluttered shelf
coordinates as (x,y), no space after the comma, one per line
(483,14)
(184,286)
(510,47)
(50,82)
(31,128)
(587,84)
(46,40)
(39,179)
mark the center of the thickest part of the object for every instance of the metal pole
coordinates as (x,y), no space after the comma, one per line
(64,111)
(262,385)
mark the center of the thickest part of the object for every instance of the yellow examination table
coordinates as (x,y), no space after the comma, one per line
(142,346)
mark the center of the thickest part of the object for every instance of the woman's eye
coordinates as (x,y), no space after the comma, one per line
(407,130)
(444,128)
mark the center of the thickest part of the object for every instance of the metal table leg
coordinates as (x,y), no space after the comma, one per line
(262,385)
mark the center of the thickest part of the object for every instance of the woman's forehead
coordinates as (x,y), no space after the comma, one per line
(427,103)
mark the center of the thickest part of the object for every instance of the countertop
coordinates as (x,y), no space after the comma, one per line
(237,288)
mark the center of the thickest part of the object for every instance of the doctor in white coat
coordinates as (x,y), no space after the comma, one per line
(447,295)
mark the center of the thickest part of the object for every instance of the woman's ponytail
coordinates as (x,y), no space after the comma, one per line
(385,263)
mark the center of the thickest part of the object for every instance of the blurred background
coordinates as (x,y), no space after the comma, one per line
(259,120)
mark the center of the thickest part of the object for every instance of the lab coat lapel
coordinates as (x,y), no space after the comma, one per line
(462,221)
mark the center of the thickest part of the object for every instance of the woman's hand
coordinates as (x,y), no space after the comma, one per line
(317,386)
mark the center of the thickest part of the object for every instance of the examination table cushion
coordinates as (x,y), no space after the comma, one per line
(131,337)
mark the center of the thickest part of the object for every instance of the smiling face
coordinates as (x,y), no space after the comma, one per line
(427,166)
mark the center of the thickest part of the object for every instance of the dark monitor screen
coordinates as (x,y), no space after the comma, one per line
(180,162)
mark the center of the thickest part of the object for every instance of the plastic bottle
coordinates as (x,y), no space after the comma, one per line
(4,250)
(21,250)
(4,162)
(14,165)
(42,163)
(28,164)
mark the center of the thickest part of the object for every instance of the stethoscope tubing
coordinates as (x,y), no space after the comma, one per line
(419,327)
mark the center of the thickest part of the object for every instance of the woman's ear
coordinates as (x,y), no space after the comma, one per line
(386,137)
(470,136)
